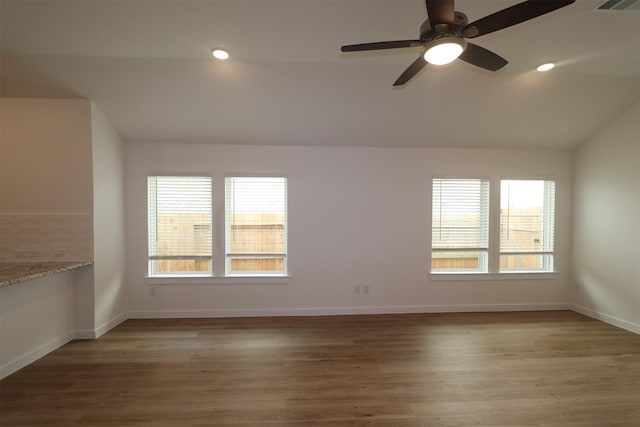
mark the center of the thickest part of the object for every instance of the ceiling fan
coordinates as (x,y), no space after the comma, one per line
(442,36)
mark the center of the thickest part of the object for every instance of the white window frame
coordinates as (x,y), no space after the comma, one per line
(482,250)
(152,259)
(548,214)
(493,272)
(227,232)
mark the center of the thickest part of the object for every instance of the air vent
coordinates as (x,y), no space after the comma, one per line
(620,5)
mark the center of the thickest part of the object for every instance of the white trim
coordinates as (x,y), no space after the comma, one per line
(92,334)
(217,280)
(84,334)
(33,355)
(338,311)
(47,213)
(107,326)
(30,357)
(229,206)
(151,265)
(607,318)
(546,275)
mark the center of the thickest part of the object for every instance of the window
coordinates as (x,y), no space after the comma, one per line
(180,225)
(526,225)
(473,234)
(460,225)
(256,225)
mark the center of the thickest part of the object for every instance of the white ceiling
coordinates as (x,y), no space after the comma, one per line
(147,65)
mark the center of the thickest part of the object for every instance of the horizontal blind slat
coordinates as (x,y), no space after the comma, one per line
(256,220)
(181,216)
(526,216)
(460,213)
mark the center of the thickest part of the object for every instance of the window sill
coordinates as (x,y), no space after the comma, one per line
(472,277)
(217,280)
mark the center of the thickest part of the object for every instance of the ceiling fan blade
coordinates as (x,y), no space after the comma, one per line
(512,15)
(411,71)
(482,58)
(440,11)
(381,45)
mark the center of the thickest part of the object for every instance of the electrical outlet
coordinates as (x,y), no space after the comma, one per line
(356,289)
(153,292)
(365,289)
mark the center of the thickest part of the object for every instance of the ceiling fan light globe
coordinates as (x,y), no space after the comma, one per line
(445,50)
(546,66)
(220,54)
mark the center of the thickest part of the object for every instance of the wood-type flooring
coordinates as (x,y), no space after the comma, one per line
(456,369)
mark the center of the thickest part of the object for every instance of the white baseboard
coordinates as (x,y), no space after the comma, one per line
(106,327)
(30,357)
(338,311)
(17,364)
(84,334)
(607,318)
(92,334)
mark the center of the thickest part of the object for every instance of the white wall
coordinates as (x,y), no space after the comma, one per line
(36,317)
(357,216)
(606,234)
(108,223)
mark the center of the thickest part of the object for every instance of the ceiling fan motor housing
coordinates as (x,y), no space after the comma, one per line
(443,35)
(428,33)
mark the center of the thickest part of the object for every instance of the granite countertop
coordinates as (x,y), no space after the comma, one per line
(15,272)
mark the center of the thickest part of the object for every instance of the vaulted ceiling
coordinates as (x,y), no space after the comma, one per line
(147,64)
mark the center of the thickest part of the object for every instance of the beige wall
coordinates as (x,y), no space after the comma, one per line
(606,221)
(45,156)
(45,180)
(357,217)
(36,317)
(61,162)
(108,223)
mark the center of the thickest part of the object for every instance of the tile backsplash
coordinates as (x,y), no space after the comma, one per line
(46,237)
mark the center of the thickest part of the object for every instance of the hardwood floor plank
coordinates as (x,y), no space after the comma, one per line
(455,369)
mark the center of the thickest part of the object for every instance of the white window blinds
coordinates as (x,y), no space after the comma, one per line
(460,224)
(180,224)
(256,225)
(527,210)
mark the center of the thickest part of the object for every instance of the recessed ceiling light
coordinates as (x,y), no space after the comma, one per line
(220,54)
(546,67)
